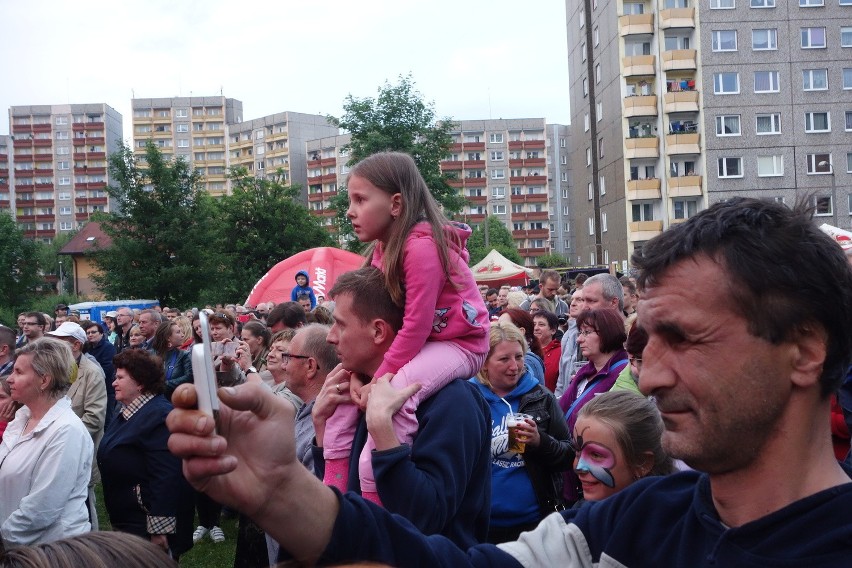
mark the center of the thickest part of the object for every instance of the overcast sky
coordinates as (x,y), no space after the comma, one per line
(475,59)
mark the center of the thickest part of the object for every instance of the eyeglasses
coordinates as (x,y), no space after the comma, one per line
(32,323)
(585,332)
(636,360)
(287,356)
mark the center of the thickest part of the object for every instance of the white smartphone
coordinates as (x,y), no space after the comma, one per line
(204,376)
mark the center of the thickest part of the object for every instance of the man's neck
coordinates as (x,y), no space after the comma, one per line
(792,465)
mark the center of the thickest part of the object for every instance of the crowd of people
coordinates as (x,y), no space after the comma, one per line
(581,429)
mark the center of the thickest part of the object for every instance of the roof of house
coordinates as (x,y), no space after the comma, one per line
(86,240)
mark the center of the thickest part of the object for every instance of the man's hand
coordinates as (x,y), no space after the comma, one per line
(334,391)
(382,404)
(251,465)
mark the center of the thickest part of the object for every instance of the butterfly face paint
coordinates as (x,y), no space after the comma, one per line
(596,459)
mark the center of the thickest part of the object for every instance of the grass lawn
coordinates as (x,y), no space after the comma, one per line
(205,554)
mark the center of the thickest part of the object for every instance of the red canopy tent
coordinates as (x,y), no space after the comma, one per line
(495,269)
(323,266)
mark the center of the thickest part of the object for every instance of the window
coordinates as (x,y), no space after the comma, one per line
(846,37)
(591,191)
(181,113)
(583,51)
(849,168)
(498,192)
(591,225)
(722,4)
(65,225)
(599,112)
(811,3)
(497,138)
(769,123)
(498,174)
(600,148)
(183,127)
(770,166)
(643,212)
(62,135)
(762,3)
(64,181)
(725,40)
(597,73)
(596,34)
(819,164)
(685,208)
(847,78)
(602,185)
(62,151)
(823,206)
(498,209)
(728,125)
(585,87)
(815,79)
(64,210)
(588,156)
(582,18)
(184,143)
(766,82)
(846,2)
(64,196)
(60,120)
(813,38)
(730,167)
(586,122)
(848,120)
(726,83)
(764,39)
(603,223)
(817,122)
(633,8)
(497,156)
(63,165)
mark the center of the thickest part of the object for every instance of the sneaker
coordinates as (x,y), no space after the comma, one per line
(216,535)
(199,534)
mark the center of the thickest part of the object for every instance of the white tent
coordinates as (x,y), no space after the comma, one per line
(496,268)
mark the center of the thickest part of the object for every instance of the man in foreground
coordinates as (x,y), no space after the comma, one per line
(741,359)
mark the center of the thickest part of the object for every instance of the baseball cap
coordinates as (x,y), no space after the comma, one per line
(111,314)
(69,329)
(61,307)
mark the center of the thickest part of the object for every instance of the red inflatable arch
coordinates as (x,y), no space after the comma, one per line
(323,264)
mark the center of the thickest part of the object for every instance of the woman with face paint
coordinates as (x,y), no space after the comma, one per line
(617,438)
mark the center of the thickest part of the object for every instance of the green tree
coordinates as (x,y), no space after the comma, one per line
(552,260)
(261,224)
(19,268)
(499,239)
(397,120)
(161,231)
(50,261)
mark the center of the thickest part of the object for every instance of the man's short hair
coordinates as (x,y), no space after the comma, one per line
(39,317)
(317,346)
(784,274)
(155,315)
(610,288)
(628,283)
(291,314)
(370,298)
(580,279)
(547,276)
(303,296)
(7,337)
(491,292)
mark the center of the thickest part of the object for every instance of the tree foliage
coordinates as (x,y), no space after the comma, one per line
(552,260)
(499,239)
(397,120)
(160,231)
(19,267)
(261,224)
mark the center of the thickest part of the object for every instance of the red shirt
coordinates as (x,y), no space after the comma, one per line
(552,353)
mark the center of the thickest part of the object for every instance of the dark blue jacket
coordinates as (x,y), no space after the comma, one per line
(660,521)
(442,482)
(104,351)
(297,290)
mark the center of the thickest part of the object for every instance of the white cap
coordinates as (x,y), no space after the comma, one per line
(112,314)
(70,329)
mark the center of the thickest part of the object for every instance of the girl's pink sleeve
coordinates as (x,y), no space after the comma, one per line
(424,282)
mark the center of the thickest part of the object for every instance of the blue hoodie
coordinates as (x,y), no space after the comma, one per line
(513,500)
(298,290)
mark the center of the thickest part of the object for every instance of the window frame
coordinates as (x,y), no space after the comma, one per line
(723,160)
(813,163)
(717,40)
(771,40)
(720,122)
(810,45)
(808,77)
(809,122)
(775,82)
(778,166)
(718,82)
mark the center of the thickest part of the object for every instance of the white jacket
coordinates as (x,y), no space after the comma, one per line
(44,477)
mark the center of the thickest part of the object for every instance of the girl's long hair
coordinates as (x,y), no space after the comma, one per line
(395,172)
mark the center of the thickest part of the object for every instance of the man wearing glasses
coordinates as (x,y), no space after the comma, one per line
(123,323)
(34,324)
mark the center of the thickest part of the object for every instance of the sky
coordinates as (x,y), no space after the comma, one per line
(474,59)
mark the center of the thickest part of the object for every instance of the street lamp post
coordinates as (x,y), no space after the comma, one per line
(61,283)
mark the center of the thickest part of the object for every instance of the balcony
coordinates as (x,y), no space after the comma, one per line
(531,234)
(684,186)
(314,197)
(43,127)
(22,142)
(24,173)
(451,165)
(644,105)
(637,65)
(648,147)
(474,164)
(679,59)
(25,218)
(477,199)
(636,24)
(644,230)
(643,189)
(43,158)
(467,146)
(98,200)
(45,217)
(44,185)
(532,251)
(681,101)
(470,217)
(683,143)
(677,18)
(81,216)
(475,182)
(19,128)
(43,142)
(530,198)
(531,216)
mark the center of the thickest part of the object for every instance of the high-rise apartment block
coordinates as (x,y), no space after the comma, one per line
(680,103)
(516,170)
(210,133)
(327,172)
(53,170)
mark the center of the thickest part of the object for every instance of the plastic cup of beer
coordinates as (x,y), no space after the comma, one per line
(512,421)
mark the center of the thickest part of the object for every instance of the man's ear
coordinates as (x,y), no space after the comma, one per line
(382,331)
(808,352)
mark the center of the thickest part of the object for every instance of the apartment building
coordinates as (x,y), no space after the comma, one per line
(278,142)
(327,171)
(55,164)
(681,103)
(778,101)
(194,128)
(505,169)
